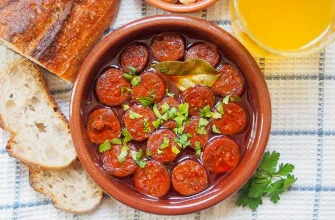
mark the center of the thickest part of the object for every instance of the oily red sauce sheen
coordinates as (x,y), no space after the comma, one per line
(93,103)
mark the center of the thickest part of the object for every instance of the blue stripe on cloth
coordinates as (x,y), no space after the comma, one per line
(48,202)
(221,22)
(319,150)
(254,215)
(3,151)
(17,186)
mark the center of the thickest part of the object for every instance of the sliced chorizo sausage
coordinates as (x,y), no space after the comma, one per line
(221,155)
(153,179)
(189,177)
(103,125)
(234,119)
(168,47)
(192,127)
(135,55)
(152,85)
(198,97)
(230,82)
(138,121)
(112,165)
(173,103)
(109,88)
(204,51)
(161,144)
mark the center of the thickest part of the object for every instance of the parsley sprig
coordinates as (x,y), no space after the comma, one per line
(267,181)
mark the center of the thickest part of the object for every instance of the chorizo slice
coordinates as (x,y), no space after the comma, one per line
(113,167)
(189,177)
(138,121)
(168,47)
(204,51)
(152,85)
(230,82)
(109,88)
(234,119)
(161,145)
(221,155)
(135,55)
(103,125)
(153,179)
(170,124)
(198,97)
(191,128)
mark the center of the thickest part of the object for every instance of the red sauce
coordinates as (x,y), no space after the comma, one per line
(242,139)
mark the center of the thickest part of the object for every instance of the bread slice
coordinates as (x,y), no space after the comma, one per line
(39,132)
(71,189)
(56,34)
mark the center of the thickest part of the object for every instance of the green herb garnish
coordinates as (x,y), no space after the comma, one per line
(126,135)
(134,115)
(182,141)
(129,76)
(165,107)
(145,101)
(219,107)
(136,80)
(116,141)
(165,144)
(175,150)
(216,115)
(122,156)
(235,99)
(169,94)
(159,151)
(124,89)
(201,128)
(104,146)
(225,100)
(215,130)
(157,123)
(147,128)
(125,107)
(197,148)
(205,112)
(137,157)
(148,153)
(267,181)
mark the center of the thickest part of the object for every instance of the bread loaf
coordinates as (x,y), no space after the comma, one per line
(55,34)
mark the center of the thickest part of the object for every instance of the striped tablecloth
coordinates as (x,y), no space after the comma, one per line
(303,131)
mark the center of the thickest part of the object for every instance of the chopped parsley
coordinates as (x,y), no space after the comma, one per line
(104,146)
(129,76)
(136,80)
(165,107)
(157,123)
(147,128)
(201,128)
(235,99)
(205,112)
(179,130)
(268,181)
(145,101)
(165,144)
(159,151)
(125,107)
(126,135)
(126,89)
(182,141)
(219,108)
(197,148)
(134,115)
(148,153)
(116,141)
(124,152)
(216,115)
(175,150)
(156,111)
(137,157)
(215,130)
(225,100)
(169,94)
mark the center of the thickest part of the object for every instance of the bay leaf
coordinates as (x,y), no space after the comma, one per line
(188,73)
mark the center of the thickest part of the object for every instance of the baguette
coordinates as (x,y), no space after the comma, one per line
(39,132)
(71,189)
(55,34)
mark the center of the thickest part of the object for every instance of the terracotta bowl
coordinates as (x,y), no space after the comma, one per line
(180,8)
(258,96)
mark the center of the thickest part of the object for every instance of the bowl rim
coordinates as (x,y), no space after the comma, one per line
(260,137)
(182,8)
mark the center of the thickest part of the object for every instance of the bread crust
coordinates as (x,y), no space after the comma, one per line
(51,102)
(34,184)
(56,34)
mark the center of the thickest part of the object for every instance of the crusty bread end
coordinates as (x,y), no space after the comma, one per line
(71,189)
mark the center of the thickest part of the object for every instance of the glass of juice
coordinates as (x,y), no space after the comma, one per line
(283,27)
